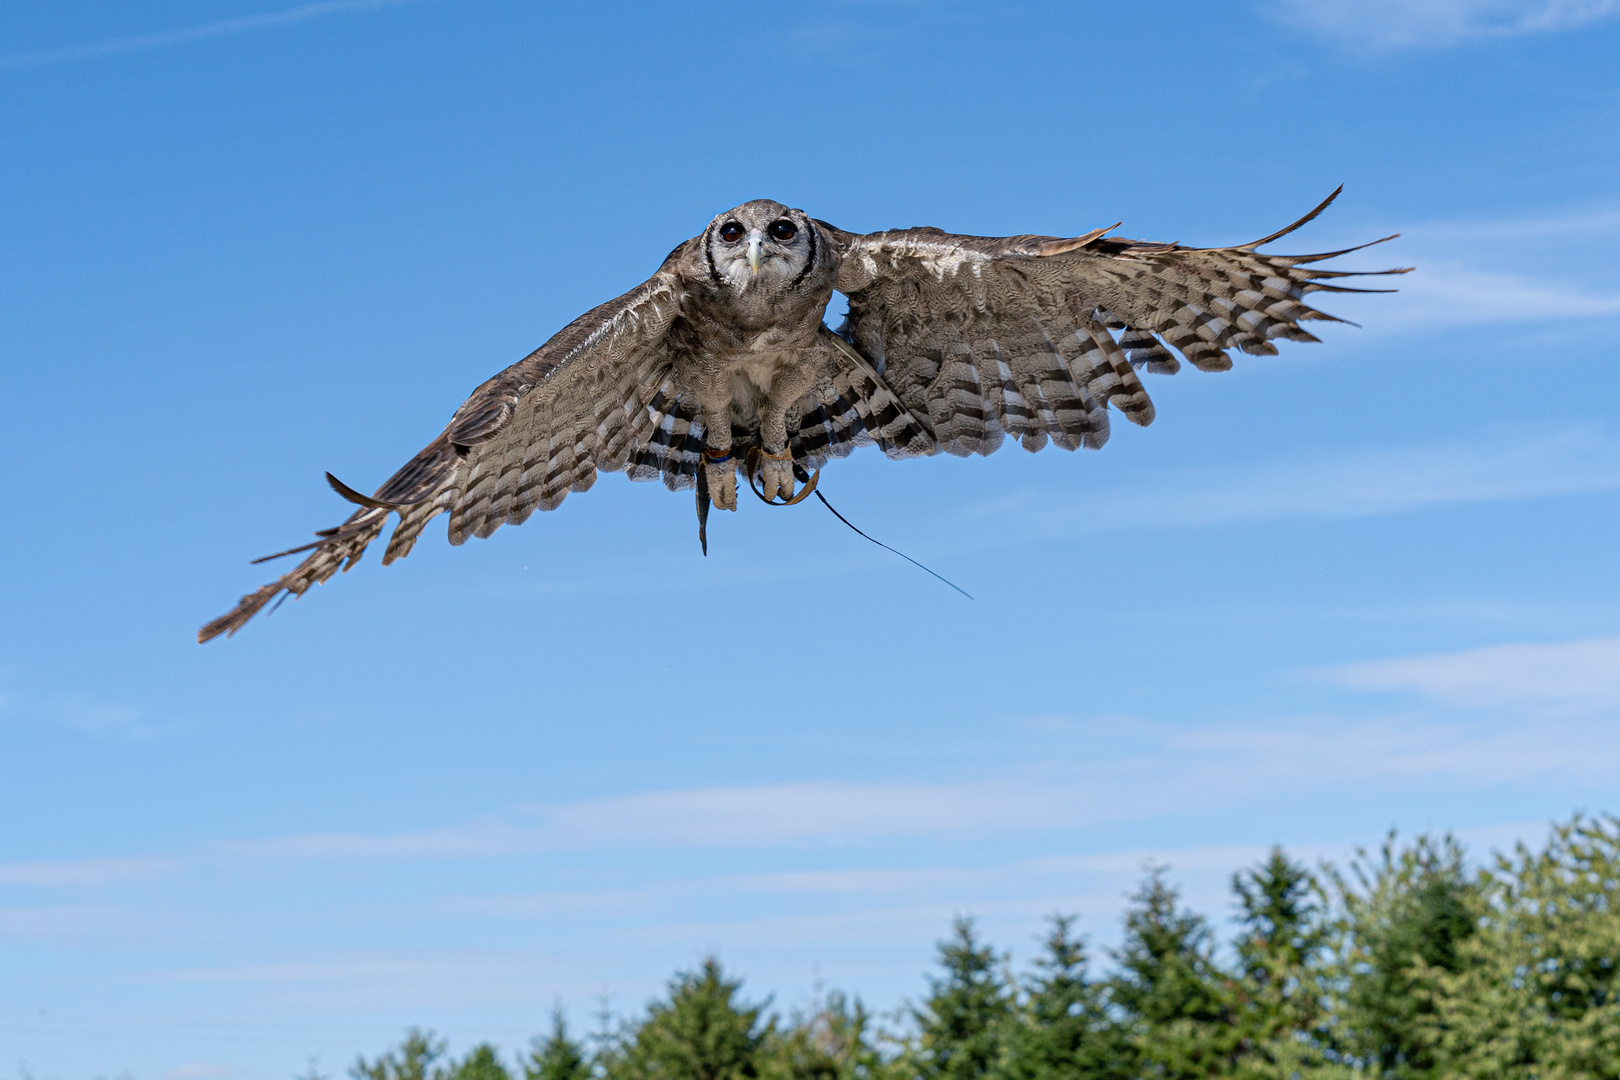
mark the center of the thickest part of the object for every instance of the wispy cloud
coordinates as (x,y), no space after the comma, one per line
(1579,224)
(1332,752)
(197,1071)
(1505,463)
(418,979)
(761,816)
(108,719)
(800,813)
(81,871)
(1533,269)
(1562,696)
(482,837)
(100,717)
(1042,884)
(1454,292)
(1396,24)
(843,924)
(1579,674)
(1153,770)
(185,35)
(79,923)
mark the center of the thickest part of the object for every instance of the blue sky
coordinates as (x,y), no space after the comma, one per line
(1362,585)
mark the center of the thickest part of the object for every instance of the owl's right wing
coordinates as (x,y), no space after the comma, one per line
(983,337)
(593,398)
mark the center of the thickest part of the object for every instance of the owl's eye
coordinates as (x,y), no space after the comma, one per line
(783,230)
(731,232)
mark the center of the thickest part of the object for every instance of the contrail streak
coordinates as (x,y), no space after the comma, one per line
(165,38)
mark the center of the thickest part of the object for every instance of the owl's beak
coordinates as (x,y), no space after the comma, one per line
(755,239)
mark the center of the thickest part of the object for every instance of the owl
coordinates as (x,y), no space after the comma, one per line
(719,366)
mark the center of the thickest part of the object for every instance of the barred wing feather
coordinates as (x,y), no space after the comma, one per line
(545,426)
(989,337)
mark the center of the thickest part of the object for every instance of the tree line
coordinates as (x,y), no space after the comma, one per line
(1409,964)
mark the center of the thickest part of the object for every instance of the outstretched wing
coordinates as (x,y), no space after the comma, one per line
(585,401)
(984,337)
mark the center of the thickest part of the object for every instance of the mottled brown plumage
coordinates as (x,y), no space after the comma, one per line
(952,343)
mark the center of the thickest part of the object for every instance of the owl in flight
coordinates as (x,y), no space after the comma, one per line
(720,364)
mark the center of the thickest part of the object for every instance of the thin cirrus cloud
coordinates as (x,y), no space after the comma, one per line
(857,919)
(1573,674)
(1164,770)
(105,719)
(1454,293)
(1503,463)
(82,872)
(800,813)
(163,39)
(1382,25)
(760,816)
(197,1071)
(418,980)
(1529,269)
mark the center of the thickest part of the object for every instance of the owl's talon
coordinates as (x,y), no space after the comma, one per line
(776,476)
(721,477)
(722,484)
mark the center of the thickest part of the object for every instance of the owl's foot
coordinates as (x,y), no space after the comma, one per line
(776,475)
(721,473)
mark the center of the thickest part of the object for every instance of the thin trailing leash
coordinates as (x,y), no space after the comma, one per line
(886,547)
(810,482)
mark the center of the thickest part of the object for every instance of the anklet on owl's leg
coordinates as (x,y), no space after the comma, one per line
(720,469)
(776,474)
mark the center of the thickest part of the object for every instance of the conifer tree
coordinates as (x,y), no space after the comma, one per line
(1412,967)
(1179,1004)
(703,1032)
(1064,1030)
(962,1025)
(1404,919)
(1285,984)
(556,1057)
(481,1063)
(413,1060)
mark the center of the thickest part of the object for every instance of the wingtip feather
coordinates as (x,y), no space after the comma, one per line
(1323,205)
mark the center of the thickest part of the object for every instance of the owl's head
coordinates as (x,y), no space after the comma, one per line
(760,245)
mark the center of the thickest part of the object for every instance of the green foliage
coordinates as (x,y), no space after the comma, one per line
(481,1063)
(1535,991)
(1284,977)
(413,1060)
(556,1057)
(702,1032)
(1404,919)
(1281,916)
(1063,1028)
(417,1058)
(961,1027)
(1409,967)
(836,1041)
(1178,1002)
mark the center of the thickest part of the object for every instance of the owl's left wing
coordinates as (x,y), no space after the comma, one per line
(984,337)
(593,398)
